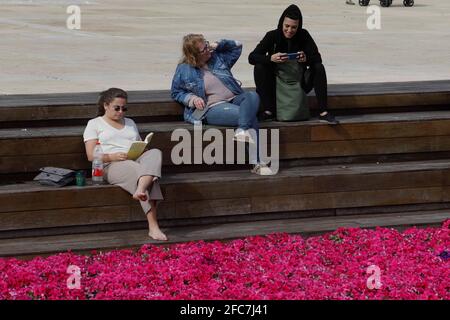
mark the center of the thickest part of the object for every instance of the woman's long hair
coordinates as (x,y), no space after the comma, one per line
(191,53)
(107,96)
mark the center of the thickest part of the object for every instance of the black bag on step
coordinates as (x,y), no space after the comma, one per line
(55,177)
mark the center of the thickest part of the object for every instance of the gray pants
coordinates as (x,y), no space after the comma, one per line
(127,173)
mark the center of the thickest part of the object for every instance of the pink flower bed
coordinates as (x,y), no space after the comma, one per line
(412,265)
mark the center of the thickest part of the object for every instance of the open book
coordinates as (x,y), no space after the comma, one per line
(138,147)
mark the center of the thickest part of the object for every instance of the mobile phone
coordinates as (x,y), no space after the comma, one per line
(293,56)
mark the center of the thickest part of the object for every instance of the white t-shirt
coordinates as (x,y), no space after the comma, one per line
(111,139)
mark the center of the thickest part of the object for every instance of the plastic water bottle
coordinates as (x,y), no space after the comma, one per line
(97,165)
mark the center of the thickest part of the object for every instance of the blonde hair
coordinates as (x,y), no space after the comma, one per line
(191,53)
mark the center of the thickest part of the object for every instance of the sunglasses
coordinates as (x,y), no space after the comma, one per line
(118,108)
(206,48)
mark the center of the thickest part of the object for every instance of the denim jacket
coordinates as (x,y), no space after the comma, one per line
(188,80)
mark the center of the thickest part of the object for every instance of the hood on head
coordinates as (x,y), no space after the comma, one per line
(292,10)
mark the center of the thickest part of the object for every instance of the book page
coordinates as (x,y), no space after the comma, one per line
(148,137)
(137,148)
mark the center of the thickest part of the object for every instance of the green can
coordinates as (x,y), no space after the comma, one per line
(80,178)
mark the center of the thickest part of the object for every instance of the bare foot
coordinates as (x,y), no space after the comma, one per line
(157,235)
(140,195)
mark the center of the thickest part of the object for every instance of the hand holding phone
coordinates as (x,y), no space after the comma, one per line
(293,56)
(278,57)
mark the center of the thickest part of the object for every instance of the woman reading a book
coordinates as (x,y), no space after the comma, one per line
(116,134)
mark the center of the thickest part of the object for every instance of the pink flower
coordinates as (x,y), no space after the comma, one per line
(276,266)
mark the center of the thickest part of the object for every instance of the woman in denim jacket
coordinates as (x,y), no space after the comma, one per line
(204,84)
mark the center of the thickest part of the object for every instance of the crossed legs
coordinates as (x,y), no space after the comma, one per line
(141,194)
(138,178)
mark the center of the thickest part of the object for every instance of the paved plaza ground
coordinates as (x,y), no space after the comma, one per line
(135,44)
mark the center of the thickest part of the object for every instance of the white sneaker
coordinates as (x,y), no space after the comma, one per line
(262,170)
(243,136)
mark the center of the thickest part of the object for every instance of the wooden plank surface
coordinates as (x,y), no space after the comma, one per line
(209,194)
(164,95)
(364,147)
(142,112)
(291,182)
(17,108)
(81,216)
(418,132)
(22,198)
(64,217)
(207,208)
(349,199)
(383,100)
(130,239)
(381,130)
(238,175)
(73,111)
(24,163)
(79,98)
(168,127)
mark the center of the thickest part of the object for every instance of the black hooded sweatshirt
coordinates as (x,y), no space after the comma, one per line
(274,41)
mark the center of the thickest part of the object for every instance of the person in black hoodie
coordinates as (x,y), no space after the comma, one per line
(289,37)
